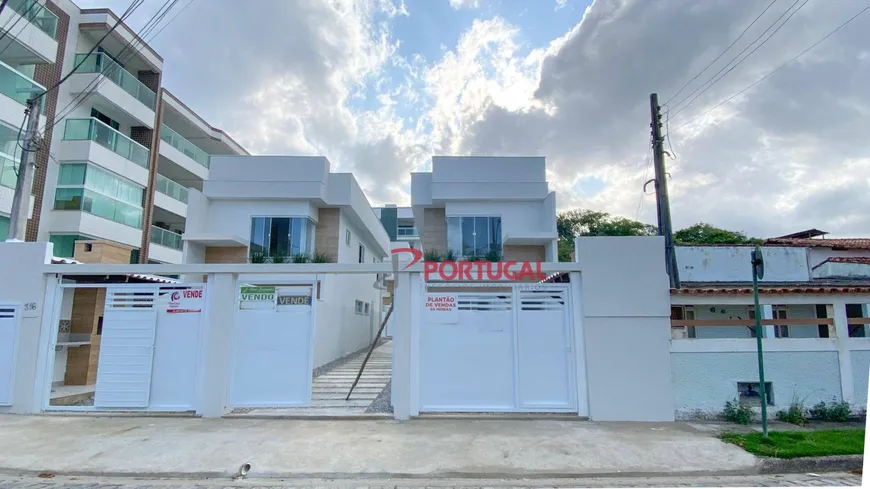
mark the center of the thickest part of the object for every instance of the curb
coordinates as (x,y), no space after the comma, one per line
(836,463)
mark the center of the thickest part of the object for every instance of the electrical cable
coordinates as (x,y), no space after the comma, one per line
(722,53)
(9,29)
(775,70)
(645,172)
(713,79)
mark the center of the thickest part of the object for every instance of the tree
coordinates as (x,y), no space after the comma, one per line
(703,233)
(584,222)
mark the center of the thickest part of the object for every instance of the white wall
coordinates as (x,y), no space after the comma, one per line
(626,325)
(731,263)
(841,270)
(234,216)
(818,255)
(518,219)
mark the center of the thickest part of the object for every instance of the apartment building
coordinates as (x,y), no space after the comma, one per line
(120,150)
(399,224)
(486,207)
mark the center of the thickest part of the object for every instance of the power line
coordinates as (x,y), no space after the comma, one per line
(743,59)
(722,53)
(173,18)
(713,79)
(9,29)
(805,51)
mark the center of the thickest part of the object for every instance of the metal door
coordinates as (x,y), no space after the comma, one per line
(9,321)
(126,348)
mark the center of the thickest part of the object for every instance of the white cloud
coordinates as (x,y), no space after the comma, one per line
(560,4)
(458,4)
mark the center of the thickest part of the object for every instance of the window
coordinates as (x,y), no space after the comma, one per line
(358,307)
(89,188)
(347,237)
(683,313)
(856,311)
(749,393)
(780,312)
(362,253)
(96,114)
(474,236)
(366,308)
(282,236)
(65,244)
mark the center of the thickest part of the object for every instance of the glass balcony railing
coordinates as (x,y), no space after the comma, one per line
(8,172)
(18,87)
(102,63)
(178,142)
(407,232)
(94,130)
(36,14)
(166,238)
(168,187)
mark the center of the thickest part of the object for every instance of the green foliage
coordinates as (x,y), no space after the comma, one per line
(795,414)
(451,256)
(492,255)
(278,257)
(735,412)
(432,255)
(258,257)
(584,222)
(703,233)
(565,250)
(837,411)
(794,444)
(300,258)
(321,258)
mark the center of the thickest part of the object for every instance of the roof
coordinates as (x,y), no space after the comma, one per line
(56,260)
(809,233)
(818,286)
(857,260)
(840,243)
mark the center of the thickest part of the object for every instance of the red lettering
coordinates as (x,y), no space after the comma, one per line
(465,270)
(526,269)
(540,274)
(429,267)
(506,270)
(490,275)
(192,294)
(453,270)
(480,265)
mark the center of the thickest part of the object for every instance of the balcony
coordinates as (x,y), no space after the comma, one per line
(170,197)
(168,187)
(36,14)
(103,64)
(166,238)
(17,88)
(98,132)
(8,172)
(407,232)
(29,30)
(184,146)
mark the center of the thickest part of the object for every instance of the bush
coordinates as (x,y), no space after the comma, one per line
(738,413)
(432,255)
(257,257)
(321,258)
(837,411)
(795,414)
(300,258)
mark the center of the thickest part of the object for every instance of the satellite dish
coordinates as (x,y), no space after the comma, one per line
(758,262)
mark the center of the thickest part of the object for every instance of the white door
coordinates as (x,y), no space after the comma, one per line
(126,348)
(271,347)
(176,347)
(544,350)
(8,342)
(467,351)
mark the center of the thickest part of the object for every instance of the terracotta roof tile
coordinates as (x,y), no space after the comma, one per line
(860,260)
(839,243)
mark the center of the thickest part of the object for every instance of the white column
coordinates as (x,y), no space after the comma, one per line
(579,345)
(841,325)
(215,348)
(52,299)
(401,383)
(767,313)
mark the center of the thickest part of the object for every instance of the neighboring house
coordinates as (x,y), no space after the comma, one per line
(472,206)
(292,208)
(814,300)
(399,224)
(120,143)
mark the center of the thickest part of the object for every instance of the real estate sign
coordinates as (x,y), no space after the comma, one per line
(257,297)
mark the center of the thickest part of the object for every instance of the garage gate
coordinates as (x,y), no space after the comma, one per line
(504,348)
(9,324)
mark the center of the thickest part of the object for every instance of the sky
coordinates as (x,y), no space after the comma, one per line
(380,86)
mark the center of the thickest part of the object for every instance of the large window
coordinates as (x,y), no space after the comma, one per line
(282,236)
(65,244)
(88,188)
(474,236)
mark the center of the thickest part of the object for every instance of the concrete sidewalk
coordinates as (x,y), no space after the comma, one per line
(192,447)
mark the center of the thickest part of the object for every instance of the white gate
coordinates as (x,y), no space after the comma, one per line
(176,348)
(9,320)
(272,342)
(504,347)
(126,348)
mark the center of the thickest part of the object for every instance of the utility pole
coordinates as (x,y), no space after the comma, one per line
(21,199)
(662,203)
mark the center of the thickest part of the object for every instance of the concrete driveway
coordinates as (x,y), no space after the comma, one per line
(162,446)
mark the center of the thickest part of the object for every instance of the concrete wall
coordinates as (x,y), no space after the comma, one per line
(842,270)
(626,326)
(24,261)
(705,381)
(860,372)
(518,219)
(731,263)
(818,255)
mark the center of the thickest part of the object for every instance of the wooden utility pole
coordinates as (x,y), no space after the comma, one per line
(663,204)
(24,184)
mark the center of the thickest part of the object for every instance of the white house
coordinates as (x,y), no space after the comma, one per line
(293,209)
(814,310)
(471,206)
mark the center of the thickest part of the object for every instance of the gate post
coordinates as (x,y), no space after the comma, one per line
(401,378)
(214,366)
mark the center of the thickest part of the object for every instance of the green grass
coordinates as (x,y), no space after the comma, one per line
(793,444)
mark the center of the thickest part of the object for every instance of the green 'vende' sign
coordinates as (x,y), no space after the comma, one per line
(257,298)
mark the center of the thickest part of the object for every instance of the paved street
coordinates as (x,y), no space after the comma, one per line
(791,480)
